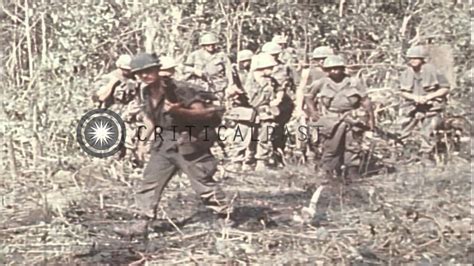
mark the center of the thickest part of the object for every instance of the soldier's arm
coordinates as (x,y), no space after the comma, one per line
(197,111)
(106,90)
(438,93)
(311,107)
(300,98)
(189,68)
(409,96)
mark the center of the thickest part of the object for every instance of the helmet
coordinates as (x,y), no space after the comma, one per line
(144,61)
(263,60)
(123,61)
(208,38)
(244,55)
(416,52)
(322,52)
(167,62)
(333,61)
(271,48)
(279,39)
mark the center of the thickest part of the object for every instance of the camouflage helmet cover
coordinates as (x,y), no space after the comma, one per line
(322,52)
(333,61)
(271,48)
(208,38)
(244,55)
(263,60)
(144,61)
(123,61)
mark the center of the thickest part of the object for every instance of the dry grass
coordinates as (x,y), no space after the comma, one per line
(412,215)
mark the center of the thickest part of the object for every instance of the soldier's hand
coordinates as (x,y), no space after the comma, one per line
(142,149)
(171,107)
(233,90)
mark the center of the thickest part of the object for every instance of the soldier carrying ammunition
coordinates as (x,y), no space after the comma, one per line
(186,132)
(425,89)
(208,67)
(347,113)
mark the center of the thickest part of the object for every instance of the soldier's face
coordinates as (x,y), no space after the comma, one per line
(167,73)
(125,72)
(211,48)
(335,72)
(148,76)
(245,63)
(318,61)
(267,72)
(415,62)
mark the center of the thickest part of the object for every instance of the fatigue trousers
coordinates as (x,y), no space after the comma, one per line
(427,124)
(244,148)
(343,147)
(165,161)
(264,146)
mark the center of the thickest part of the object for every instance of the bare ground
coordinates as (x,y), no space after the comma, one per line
(412,215)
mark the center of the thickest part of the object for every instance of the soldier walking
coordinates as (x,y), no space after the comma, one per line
(184,141)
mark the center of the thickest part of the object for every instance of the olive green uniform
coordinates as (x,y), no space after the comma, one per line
(428,115)
(216,70)
(342,122)
(260,96)
(176,149)
(123,100)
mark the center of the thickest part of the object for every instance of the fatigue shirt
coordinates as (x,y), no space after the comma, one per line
(340,99)
(262,94)
(216,66)
(175,92)
(427,80)
(124,88)
(284,76)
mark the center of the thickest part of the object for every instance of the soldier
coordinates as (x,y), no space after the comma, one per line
(113,86)
(238,96)
(425,89)
(284,75)
(288,55)
(208,67)
(346,114)
(305,107)
(185,136)
(240,73)
(167,68)
(265,95)
(118,91)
